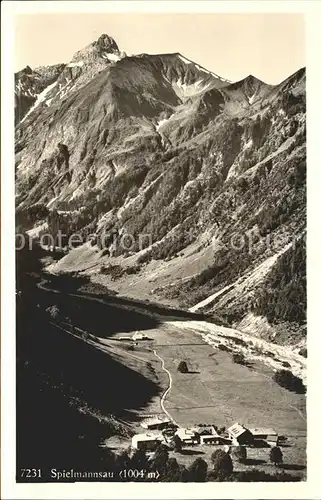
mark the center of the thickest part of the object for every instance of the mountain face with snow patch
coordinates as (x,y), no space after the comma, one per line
(29,84)
(212,171)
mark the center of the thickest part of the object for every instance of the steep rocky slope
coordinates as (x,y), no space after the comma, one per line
(213,173)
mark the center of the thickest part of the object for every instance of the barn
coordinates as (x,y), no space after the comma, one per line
(239,434)
(187,436)
(139,336)
(146,441)
(211,439)
(208,435)
(156,423)
(262,432)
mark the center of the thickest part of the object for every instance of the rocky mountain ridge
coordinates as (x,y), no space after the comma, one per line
(158,145)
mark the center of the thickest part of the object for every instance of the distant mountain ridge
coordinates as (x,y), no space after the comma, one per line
(158,145)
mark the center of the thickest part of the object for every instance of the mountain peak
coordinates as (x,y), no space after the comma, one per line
(103,47)
(106,43)
(251,87)
(253,80)
(250,77)
(27,70)
(24,71)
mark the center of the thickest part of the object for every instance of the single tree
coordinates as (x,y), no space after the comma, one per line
(240,453)
(198,471)
(182,367)
(160,460)
(139,460)
(222,463)
(173,473)
(178,444)
(183,474)
(276,456)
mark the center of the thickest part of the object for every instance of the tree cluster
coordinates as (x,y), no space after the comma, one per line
(286,379)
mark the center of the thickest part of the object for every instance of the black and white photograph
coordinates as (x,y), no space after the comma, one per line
(160,246)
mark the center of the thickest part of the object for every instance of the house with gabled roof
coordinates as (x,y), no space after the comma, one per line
(239,434)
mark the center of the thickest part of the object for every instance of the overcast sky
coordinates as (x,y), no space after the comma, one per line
(268,46)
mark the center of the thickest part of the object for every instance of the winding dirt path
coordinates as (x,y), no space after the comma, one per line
(167,390)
